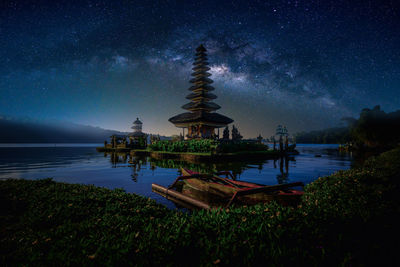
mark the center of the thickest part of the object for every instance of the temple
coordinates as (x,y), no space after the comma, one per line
(137,137)
(201,120)
(137,140)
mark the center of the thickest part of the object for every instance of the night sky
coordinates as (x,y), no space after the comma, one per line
(305,64)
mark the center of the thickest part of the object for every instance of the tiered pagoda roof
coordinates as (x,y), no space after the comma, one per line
(201,108)
(137,129)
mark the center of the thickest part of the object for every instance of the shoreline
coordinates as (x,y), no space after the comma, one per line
(206,157)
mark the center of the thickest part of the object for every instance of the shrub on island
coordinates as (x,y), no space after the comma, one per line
(196,146)
(207,145)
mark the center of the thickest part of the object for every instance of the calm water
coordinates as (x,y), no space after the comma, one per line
(77,163)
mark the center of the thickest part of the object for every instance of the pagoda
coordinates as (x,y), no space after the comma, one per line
(137,128)
(201,120)
(137,136)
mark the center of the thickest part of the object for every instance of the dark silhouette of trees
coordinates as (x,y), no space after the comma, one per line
(373,129)
(376,128)
(225,134)
(339,135)
(259,139)
(236,134)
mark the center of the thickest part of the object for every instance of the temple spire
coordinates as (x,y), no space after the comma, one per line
(201,98)
(201,120)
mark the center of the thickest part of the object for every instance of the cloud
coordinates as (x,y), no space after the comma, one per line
(121,64)
(223,73)
(245,64)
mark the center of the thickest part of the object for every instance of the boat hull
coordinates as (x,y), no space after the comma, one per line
(226,191)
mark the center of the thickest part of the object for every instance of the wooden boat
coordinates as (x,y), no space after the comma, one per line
(206,190)
(213,184)
(241,191)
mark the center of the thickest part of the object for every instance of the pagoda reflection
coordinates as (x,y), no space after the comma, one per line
(138,164)
(283,176)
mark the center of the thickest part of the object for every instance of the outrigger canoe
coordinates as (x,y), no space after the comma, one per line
(197,189)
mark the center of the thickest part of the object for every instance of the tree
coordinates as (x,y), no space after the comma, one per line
(225,135)
(259,139)
(236,134)
(376,128)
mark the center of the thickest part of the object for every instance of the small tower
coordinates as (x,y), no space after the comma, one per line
(137,126)
(137,138)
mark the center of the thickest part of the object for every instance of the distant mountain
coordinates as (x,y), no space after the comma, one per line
(29,131)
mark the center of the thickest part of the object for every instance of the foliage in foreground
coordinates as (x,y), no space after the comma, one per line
(348,218)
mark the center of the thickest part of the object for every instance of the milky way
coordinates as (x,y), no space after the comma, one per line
(304,64)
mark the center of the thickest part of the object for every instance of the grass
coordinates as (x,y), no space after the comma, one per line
(348,218)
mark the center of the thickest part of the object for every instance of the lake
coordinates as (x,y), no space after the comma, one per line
(81,163)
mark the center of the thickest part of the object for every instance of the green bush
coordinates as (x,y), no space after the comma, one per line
(205,145)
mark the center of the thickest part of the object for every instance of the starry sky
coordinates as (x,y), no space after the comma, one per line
(304,64)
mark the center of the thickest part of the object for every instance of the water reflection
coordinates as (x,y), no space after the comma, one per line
(134,174)
(123,159)
(136,165)
(26,159)
(117,158)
